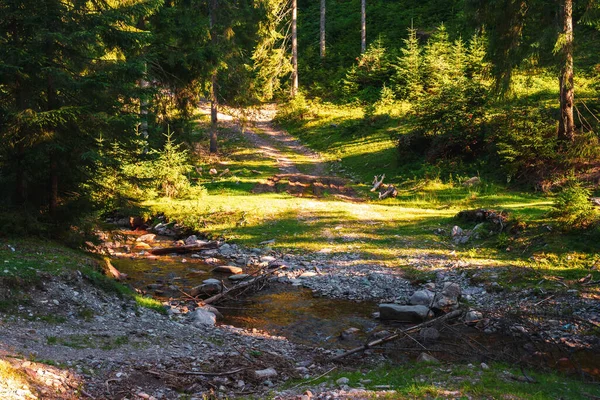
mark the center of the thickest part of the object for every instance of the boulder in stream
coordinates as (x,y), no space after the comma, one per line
(397,312)
(228,269)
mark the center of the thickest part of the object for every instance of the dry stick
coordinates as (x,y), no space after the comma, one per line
(395,336)
(314,379)
(241,285)
(542,301)
(235,371)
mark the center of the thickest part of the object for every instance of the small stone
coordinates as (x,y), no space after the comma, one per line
(484,366)
(427,358)
(342,381)
(473,316)
(239,277)
(228,269)
(265,373)
(202,317)
(148,237)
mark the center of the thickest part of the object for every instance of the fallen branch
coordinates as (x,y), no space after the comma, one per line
(235,371)
(158,251)
(450,315)
(242,285)
(390,191)
(314,379)
(377,183)
(112,271)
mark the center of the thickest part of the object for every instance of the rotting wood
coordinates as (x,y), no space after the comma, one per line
(112,271)
(390,191)
(242,285)
(158,251)
(377,183)
(445,317)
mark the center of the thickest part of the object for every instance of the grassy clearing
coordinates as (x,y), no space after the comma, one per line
(425,381)
(417,223)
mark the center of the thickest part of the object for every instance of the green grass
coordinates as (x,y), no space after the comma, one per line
(378,231)
(425,381)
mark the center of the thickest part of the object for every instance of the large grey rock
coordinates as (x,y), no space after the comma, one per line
(397,312)
(201,317)
(422,297)
(228,269)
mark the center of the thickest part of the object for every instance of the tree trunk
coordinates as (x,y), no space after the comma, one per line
(214,89)
(322,36)
(363,26)
(566,124)
(294,48)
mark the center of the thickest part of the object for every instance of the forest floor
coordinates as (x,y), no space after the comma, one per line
(67,333)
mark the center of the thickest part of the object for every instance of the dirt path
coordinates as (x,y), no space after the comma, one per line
(303,172)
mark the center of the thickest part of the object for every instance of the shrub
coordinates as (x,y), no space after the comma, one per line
(573,206)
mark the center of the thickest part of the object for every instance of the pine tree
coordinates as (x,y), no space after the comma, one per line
(408,78)
(438,59)
(68,71)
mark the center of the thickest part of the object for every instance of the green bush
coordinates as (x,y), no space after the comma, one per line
(572,205)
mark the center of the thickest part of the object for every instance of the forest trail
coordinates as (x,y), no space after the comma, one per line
(303,172)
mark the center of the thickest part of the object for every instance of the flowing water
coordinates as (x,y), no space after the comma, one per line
(294,312)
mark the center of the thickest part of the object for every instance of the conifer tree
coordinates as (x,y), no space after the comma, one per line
(67,74)
(408,78)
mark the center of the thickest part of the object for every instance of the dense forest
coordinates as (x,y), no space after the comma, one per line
(97,97)
(293,199)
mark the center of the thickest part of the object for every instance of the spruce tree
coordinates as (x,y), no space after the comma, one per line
(408,78)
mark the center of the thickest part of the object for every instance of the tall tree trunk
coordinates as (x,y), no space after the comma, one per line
(566,124)
(322,36)
(363,26)
(214,83)
(294,48)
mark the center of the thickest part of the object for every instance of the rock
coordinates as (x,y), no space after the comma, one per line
(265,373)
(201,317)
(404,313)
(208,287)
(342,381)
(349,333)
(448,298)
(191,240)
(427,358)
(484,366)
(239,277)
(308,274)
(422,297)
(137,222)
(209,308)
(429,334)
(212,171)
(142,245)
(473,316)
(148,237)
(457,231)
(228,269)
(226,249)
